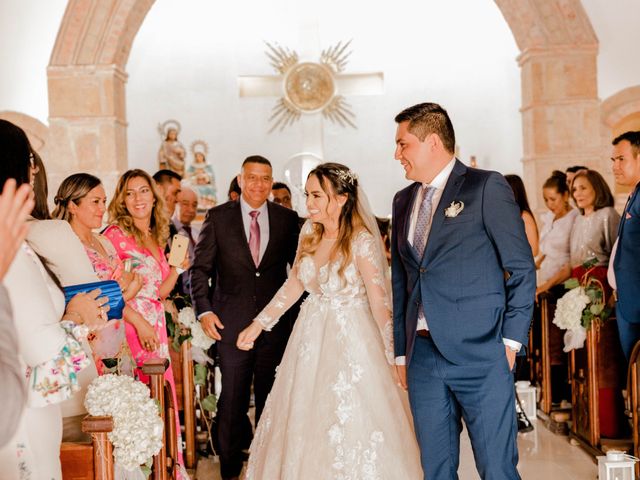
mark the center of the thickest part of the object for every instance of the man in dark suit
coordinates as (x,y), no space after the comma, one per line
(240,262)
(626,168)
(168,182)
(463,293)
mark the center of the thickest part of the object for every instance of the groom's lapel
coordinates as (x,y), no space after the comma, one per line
(451,189)
(407,223)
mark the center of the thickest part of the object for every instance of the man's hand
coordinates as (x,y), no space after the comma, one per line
(211,324)
(511,357)
(401,371)
(15,206)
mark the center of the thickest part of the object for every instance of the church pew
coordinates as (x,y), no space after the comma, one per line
(89,461)
(598,369)
(165,463)
(633,399)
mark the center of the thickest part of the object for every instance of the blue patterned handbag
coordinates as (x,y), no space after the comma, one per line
(108,288)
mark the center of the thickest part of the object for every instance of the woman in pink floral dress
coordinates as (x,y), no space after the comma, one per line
(138,231)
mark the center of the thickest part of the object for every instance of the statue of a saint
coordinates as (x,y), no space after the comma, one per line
(201,177)
(172,153)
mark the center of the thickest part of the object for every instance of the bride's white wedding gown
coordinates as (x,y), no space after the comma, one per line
(335,411)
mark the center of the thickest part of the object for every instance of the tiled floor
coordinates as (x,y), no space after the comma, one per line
(543,456)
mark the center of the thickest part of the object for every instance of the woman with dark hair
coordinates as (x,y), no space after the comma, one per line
(340,355)
(40,189)
(48,334)
(530,226)
(81,201)
(556,231)
(138,231)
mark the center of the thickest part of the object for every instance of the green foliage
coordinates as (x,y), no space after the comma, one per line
(210,403)
(199,374)
(571,283)
(596,310)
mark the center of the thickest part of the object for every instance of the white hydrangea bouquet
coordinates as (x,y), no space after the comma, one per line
(137,426)
(580,307)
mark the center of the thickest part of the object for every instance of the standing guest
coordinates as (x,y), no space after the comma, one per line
(556,231)
(281,195)
(595,229)
(463,293)
(168,184)
(555,252)
(185,215)
(571,173)
(81,201)
(234,190)
(40,190)
(50,355)
(241,262)
(626,267)
(138,231)
(530,226)
(14,209)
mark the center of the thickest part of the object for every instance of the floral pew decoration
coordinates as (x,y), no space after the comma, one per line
(137,426)
(584,306)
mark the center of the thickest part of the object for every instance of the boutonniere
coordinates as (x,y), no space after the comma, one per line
(454,209)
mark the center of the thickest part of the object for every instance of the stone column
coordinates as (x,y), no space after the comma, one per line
(87,121)
(560,114)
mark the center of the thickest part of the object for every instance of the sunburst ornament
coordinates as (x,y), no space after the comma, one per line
(310,87)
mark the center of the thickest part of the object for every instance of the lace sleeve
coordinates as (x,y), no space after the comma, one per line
(373,269)
(287,295)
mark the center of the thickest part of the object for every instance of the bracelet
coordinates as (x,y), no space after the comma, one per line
(73,313)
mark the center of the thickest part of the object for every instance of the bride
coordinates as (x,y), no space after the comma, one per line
(334,410)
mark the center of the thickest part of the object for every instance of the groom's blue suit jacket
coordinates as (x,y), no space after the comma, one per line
(476,280)
(626,264)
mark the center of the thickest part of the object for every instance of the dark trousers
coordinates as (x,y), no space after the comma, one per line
(239,369)
(442,393)
(629,334)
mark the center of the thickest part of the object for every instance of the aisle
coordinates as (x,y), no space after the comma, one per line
(543,456)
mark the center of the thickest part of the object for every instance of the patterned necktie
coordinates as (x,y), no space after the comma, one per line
(423,223)
(187,228)
(254,237)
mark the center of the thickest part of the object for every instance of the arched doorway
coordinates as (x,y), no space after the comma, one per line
(560,107)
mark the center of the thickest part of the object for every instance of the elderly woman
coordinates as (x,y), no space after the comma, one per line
(48,336)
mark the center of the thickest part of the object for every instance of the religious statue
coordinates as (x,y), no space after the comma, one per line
(172,153)
(201,177)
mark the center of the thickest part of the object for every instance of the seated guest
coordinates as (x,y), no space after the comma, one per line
(530,227)
(234,190)
(185,215)
(50,353)
(384,225)
(138,230)
(81,201)
(625,160)
(40,190)
(556,230)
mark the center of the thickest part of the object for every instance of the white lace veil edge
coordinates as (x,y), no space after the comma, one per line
(370,222)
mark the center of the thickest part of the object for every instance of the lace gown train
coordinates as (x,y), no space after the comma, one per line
(335,411)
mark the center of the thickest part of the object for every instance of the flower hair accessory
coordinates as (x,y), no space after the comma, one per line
(347,176)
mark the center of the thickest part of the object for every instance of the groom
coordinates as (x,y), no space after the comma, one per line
(463,292)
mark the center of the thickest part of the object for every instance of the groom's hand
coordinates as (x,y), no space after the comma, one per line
(511,357)
(401,371)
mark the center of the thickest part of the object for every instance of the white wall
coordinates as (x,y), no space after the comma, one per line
(187,56)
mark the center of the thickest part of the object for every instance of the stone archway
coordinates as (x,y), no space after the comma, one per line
(560,107)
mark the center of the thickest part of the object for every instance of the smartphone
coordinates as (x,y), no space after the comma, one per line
(179,250)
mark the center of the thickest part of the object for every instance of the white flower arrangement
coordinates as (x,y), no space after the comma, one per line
(569,309)
(199,339)
(137,426)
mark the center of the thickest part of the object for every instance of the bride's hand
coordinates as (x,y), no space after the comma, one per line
(248,336)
